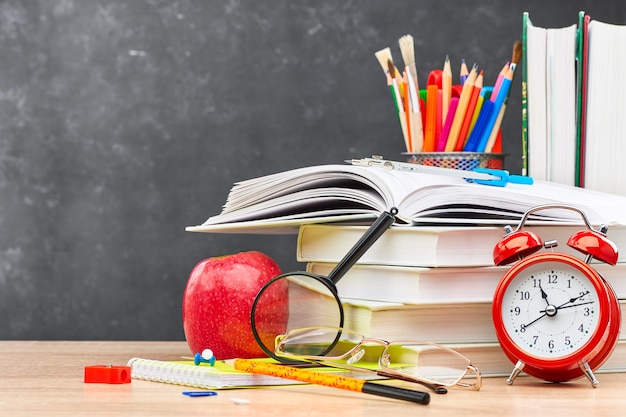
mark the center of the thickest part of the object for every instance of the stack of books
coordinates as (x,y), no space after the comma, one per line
(435,284)
(430,276)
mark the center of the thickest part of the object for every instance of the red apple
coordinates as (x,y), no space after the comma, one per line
(218,300)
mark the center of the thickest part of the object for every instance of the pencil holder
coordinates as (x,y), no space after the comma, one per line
(457,160)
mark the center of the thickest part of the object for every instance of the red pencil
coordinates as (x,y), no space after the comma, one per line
(478,85)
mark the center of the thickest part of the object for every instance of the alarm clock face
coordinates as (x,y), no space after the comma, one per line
(550,309)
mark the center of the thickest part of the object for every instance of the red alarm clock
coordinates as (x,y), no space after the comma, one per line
(555,317)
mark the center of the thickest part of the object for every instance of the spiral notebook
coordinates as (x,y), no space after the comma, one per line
(220,376)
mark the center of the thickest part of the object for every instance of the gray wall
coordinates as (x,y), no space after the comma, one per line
(122,122)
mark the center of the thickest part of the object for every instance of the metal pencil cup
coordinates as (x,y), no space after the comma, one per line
(457,160)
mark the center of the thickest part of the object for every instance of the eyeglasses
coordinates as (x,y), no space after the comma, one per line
(426,363)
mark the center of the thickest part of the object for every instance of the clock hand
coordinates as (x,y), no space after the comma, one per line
(571,300)
(576,305)
(543,294)
(535,320)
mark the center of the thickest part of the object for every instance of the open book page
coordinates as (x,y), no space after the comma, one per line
(345,192)
(473,203)
(322,191)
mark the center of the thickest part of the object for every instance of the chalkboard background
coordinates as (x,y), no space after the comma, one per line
(122,122)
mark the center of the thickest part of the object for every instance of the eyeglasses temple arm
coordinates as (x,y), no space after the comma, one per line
(375,231)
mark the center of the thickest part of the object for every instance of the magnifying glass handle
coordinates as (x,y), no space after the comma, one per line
(382,223)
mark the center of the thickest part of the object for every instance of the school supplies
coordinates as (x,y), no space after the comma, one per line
(451,110)
(220,376)
(313,377)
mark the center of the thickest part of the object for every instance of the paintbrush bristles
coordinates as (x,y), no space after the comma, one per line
(383,56)
(516,54)
(407,50)
(391,68)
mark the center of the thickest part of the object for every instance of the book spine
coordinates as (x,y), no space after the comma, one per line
(525,22)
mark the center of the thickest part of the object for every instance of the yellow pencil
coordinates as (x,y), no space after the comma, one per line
(329,380)
(466,93)
(446,89)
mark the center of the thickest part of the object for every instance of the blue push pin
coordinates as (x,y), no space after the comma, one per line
(205,357)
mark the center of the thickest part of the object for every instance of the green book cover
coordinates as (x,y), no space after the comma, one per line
(525,23)
(581,86)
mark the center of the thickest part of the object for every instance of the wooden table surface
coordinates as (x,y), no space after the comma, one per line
(46,378)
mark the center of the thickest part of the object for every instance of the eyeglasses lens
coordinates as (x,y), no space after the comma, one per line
(416,359)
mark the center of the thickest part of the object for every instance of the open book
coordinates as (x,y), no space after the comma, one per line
(327,193)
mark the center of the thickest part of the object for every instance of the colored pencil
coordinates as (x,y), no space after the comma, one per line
(501,96)
(431,117)
(463,73)
(445,130)
(496,85)
(516,56)
(329,380)
(466,94)
(446,89)
(469,113)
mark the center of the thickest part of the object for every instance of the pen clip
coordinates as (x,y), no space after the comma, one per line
(501,178)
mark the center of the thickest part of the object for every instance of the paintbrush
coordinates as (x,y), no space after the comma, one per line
(386,62)
(399,104)
(416,129)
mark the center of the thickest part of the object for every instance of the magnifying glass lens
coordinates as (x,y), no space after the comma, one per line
(291,301)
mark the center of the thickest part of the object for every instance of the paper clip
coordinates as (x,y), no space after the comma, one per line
(199,393)
(501,177)
(484,176)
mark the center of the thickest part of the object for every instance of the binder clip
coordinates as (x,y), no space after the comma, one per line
(107,374)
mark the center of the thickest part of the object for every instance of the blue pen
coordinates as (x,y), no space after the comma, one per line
(481,123)
(502,93)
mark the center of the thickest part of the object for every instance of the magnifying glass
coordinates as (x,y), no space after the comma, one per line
(312,300)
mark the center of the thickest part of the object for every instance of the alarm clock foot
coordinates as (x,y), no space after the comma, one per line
(519,366)
(589,374)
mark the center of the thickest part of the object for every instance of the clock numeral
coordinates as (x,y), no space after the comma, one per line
(535,339)
(567,341)
(581,328)
(551,344)
(553,278)
(522,328)
(524,295)
(586,311)
(517,311)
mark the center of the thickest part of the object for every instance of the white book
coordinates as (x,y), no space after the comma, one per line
(605,148)
(551,93)
(428,246)
(436,285)
(445,323)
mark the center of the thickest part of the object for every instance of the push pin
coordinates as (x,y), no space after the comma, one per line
(205,357)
